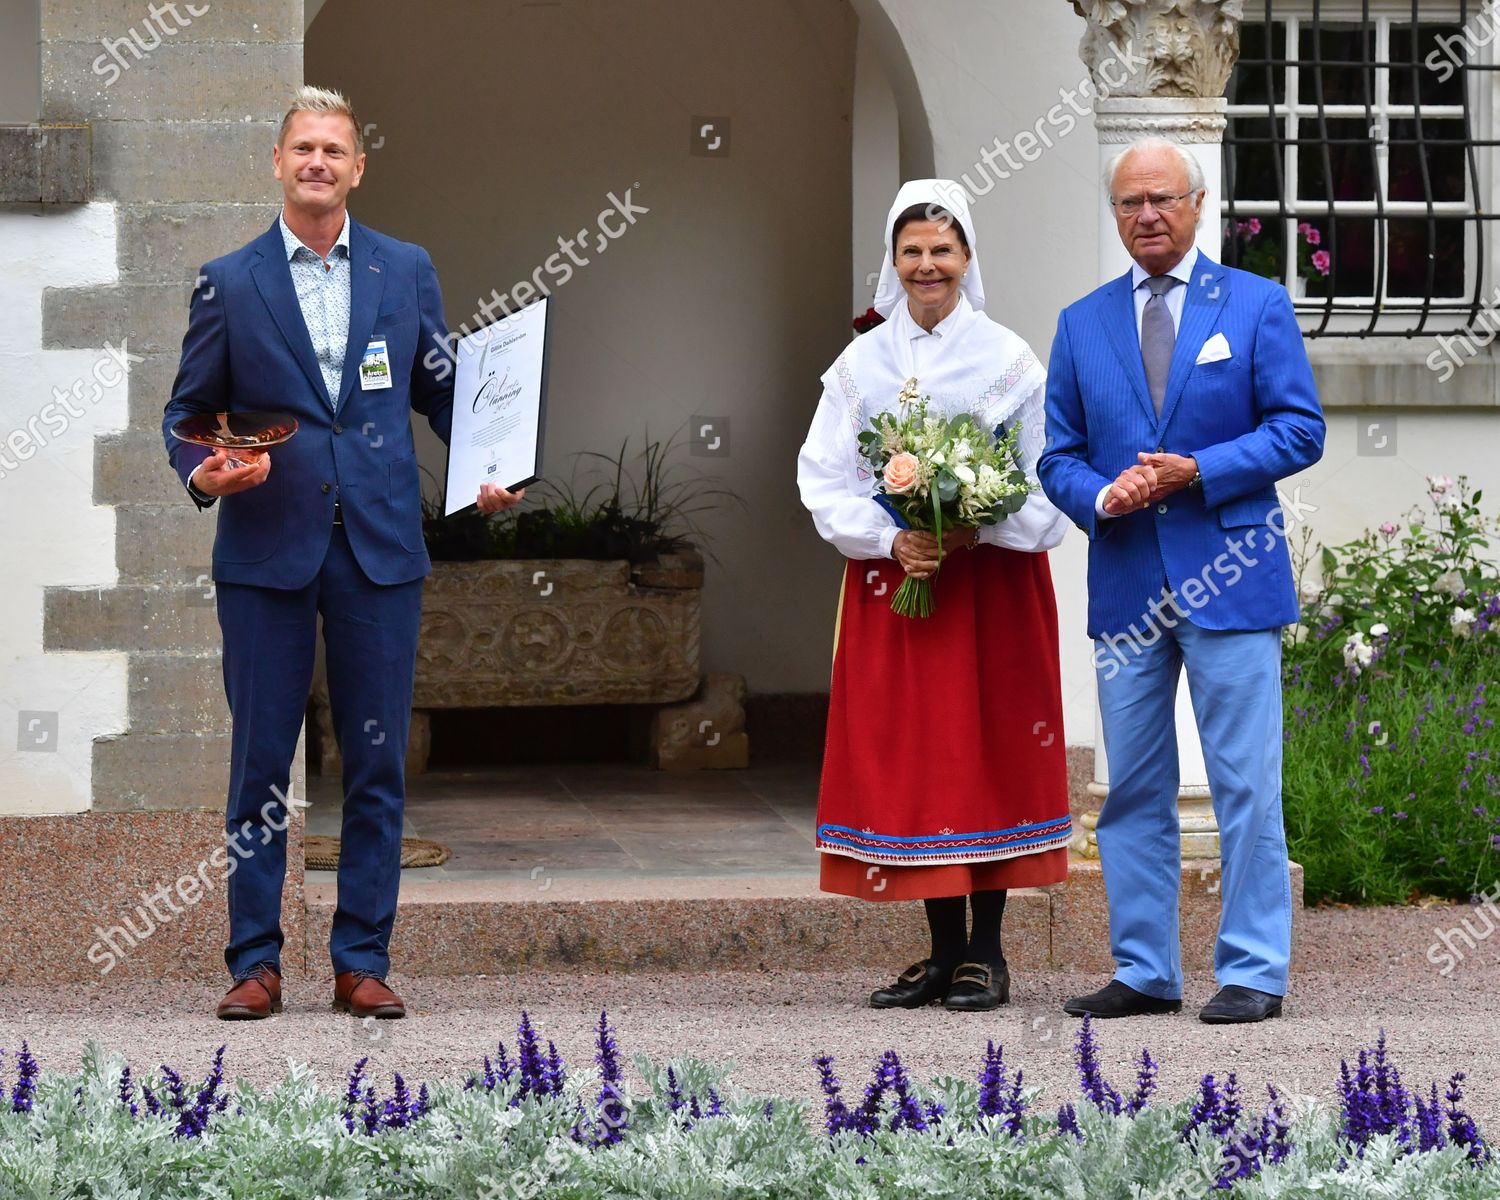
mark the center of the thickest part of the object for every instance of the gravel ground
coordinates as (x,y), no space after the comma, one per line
(1366,969)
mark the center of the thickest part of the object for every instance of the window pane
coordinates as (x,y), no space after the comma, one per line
(1439,48)
(1344,54)
(1254,80)
(1412,244)
(1252,161)
(1257,244)
(1345,247)
(1443,150)
(1350,155)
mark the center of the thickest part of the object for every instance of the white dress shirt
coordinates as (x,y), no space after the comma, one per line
(1175,299)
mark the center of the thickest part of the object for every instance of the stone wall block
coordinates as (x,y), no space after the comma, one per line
(134,617)
(182,81)
(177,693)
(169,243)
(141,317)
(132,468)
(164,543)
(181,162)
(179,771)
(93,21)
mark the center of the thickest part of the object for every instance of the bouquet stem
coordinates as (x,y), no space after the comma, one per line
(913,598)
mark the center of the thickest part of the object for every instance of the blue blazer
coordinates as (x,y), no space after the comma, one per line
(247,348)
(1250,420)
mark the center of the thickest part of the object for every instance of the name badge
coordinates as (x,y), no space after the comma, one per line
(375,366)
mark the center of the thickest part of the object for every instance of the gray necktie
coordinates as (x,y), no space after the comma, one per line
(1158,337)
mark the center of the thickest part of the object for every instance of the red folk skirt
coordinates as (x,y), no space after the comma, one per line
(945,770)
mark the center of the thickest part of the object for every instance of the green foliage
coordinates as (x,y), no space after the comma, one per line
(634,506)
(1392,757)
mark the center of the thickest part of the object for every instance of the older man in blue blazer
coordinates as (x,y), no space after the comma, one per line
(324,319)
(1177,396)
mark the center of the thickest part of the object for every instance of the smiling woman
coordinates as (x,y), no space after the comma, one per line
(957,790)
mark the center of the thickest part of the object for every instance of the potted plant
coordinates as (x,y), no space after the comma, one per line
(1261,253)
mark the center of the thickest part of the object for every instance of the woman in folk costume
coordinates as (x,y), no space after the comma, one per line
(944,776)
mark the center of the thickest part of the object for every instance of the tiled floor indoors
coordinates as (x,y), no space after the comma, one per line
(614,821)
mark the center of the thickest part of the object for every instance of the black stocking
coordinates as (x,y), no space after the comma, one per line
(984,942)
(945,917)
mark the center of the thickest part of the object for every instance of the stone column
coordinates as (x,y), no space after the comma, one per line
(1174,57)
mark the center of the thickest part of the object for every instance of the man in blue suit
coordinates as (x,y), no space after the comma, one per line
(324,319)
(1177,396)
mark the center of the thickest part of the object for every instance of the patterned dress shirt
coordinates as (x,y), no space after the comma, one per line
(323,296)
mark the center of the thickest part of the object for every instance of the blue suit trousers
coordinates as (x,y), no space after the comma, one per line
(1234,677)
(370,635)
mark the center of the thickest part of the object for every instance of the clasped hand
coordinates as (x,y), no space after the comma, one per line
(917,550)
(1152,478)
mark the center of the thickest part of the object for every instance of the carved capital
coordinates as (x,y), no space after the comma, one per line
(1177,119)
(1160,47)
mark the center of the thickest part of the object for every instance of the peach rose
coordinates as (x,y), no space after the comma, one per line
(901,473)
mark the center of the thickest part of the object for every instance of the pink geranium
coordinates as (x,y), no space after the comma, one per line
(1321,261)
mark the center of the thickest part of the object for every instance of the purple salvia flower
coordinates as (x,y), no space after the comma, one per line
(556,1075)
(1145,1083)
(835,1111)
(529,1057)
(127,1092)
(610,1103)
(695,1113)
(1275,1129)
(674,1091)
(1461,1129)
(1207,1108)
(1015,1110)
(1067,1122)
(1091,1079)
(1431,1134)
(153,1105)
(992,1081)
(908,1112)
(23,1095)
(352,1094)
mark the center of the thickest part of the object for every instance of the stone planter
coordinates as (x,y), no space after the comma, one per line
(559,631)
(526,632)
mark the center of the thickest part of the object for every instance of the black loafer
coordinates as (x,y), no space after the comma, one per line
(920,984)
(1235,1005)
(1116,999)
(977,988)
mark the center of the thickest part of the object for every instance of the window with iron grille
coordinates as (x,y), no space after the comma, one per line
(1357,162)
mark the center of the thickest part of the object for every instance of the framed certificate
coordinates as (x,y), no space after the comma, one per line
(499,406)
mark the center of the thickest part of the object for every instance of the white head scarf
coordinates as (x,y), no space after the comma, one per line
(948,195)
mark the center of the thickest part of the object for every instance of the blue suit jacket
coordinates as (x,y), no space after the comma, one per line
(1249,420)
(247,348)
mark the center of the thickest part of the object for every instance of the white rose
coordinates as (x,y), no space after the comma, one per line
(965,474)
(1379,630)
(1450,583)
(1463,621)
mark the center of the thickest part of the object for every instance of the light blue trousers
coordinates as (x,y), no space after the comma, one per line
(1234,679)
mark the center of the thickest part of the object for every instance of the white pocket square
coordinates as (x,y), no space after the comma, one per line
(1216,349)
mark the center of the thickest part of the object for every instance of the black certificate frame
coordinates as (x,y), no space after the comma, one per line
(541,410)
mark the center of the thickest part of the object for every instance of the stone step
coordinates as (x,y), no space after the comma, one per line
(162,618)
(659,924)
(152,771)
(453,927)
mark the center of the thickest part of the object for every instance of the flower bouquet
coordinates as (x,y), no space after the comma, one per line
(937,473)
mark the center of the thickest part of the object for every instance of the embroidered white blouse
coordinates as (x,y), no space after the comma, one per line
(968,363)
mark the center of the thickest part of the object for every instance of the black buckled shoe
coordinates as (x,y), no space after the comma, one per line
(978,988)
(1116,999)
(1235,1005)
(918,985)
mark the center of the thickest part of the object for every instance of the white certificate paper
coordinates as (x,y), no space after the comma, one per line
(499,406)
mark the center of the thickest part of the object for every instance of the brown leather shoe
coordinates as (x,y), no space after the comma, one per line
(253,998)
(366,996)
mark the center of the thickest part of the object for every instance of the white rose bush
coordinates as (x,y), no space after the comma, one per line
(1390,736)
